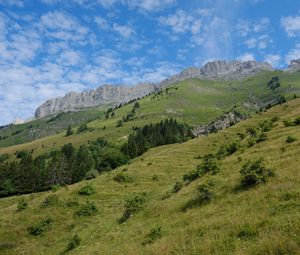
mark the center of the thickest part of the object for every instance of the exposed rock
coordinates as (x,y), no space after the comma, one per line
(105,94)
(294,65)
(108,94)
(223,122)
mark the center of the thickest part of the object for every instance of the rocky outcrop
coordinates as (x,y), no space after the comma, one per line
(294,65)
(223,122)
(110,94)
(105,94)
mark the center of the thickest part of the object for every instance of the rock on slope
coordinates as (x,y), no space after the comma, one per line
(121,94)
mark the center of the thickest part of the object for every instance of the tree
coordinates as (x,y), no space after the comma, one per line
(119,123)
(83,163)
(69,131)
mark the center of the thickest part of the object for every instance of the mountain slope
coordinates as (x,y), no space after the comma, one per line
(194,101)
(260,220)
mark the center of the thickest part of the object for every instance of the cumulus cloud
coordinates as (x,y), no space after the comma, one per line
(274,60)
(246,57)
(124,30)
(291,25)
(181,22)
(293,54)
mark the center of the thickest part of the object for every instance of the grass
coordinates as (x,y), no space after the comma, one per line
(193,101)
(264,219)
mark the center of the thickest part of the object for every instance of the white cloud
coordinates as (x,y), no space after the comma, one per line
(101,22)
(293,54)
(181,22)
(246,57)
(17,3)
(246,27)
(274,60)
(150,5)
(123,30)
(291,25)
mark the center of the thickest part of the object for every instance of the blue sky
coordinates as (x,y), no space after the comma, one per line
(51,47)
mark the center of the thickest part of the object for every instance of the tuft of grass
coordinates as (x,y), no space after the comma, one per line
(41,227)
(155,234)
(87,190)
(50,200)
(291,139)
(22,205)
(74,243)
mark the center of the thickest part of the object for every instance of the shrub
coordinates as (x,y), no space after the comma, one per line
(82,128)
(75,242)
(266,126)
(261,137)
(191,176)
(205,193)
(232,148)
(290,139)
(69,131)
(241,135)
(71,202)
(254,173)
(49,201)
(251,141)
(297,121)
(247,232)
(22,205)
(123,178)
(119,123)
(41,227)
(177,187)
(155,234)
(133,206)
(209,165)
(55,187)
(89,209)
(87,190)
(288,123)
(92,174)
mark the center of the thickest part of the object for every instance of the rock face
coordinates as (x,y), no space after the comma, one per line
(103,95)
(122,94)
(223,122)
(294,65)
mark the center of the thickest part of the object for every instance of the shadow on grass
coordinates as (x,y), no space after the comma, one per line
(194,203)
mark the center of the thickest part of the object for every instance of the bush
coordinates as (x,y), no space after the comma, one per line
(266,126)
(288,123)
(177,187)
(49,201)
(242,136)
(254,173)
(155,234)
(155,178)
(82,128)
(247,232)
(191,176)
(71,202)
(133,206)
(75,242)
(297,121)
(92,174)
(123,178)
(209,165)
(205,193)
(55,187)
(290,139)
(119,123)
(41,227)
(261,137)
(251,141)
(87,190)
(22,205)
(89,209)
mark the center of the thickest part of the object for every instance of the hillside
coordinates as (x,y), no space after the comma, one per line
(230,219)
(193,101)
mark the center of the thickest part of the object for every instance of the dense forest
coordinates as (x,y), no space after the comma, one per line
(27,174)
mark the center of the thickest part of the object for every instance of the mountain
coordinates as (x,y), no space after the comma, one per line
(213,214)
(109,94)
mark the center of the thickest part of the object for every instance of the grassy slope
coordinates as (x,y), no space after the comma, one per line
(195,102)
(271,209)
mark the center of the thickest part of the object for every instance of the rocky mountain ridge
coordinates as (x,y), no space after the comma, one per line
(112,94)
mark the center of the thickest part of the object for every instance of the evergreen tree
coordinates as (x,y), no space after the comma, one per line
(69,131)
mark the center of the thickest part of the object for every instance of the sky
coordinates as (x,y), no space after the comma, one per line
(51,47)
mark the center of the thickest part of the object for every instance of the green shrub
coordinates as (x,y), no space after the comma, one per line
(251,141)
(71,202)
(55,187)
(119,123)
(191,176)
(205,193)
(92,174)
(261,137)
(155,234)
(133,206)
(22,205)
(266,126)
(290,139)
(209,165)
(82,128)
(247,232)
(49,201)
(254,173)
(87,190)
(74,243)
(177,187)
(41,227)
(288,123)
(89,209)
(297,121)
(242,136)
(123,178)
